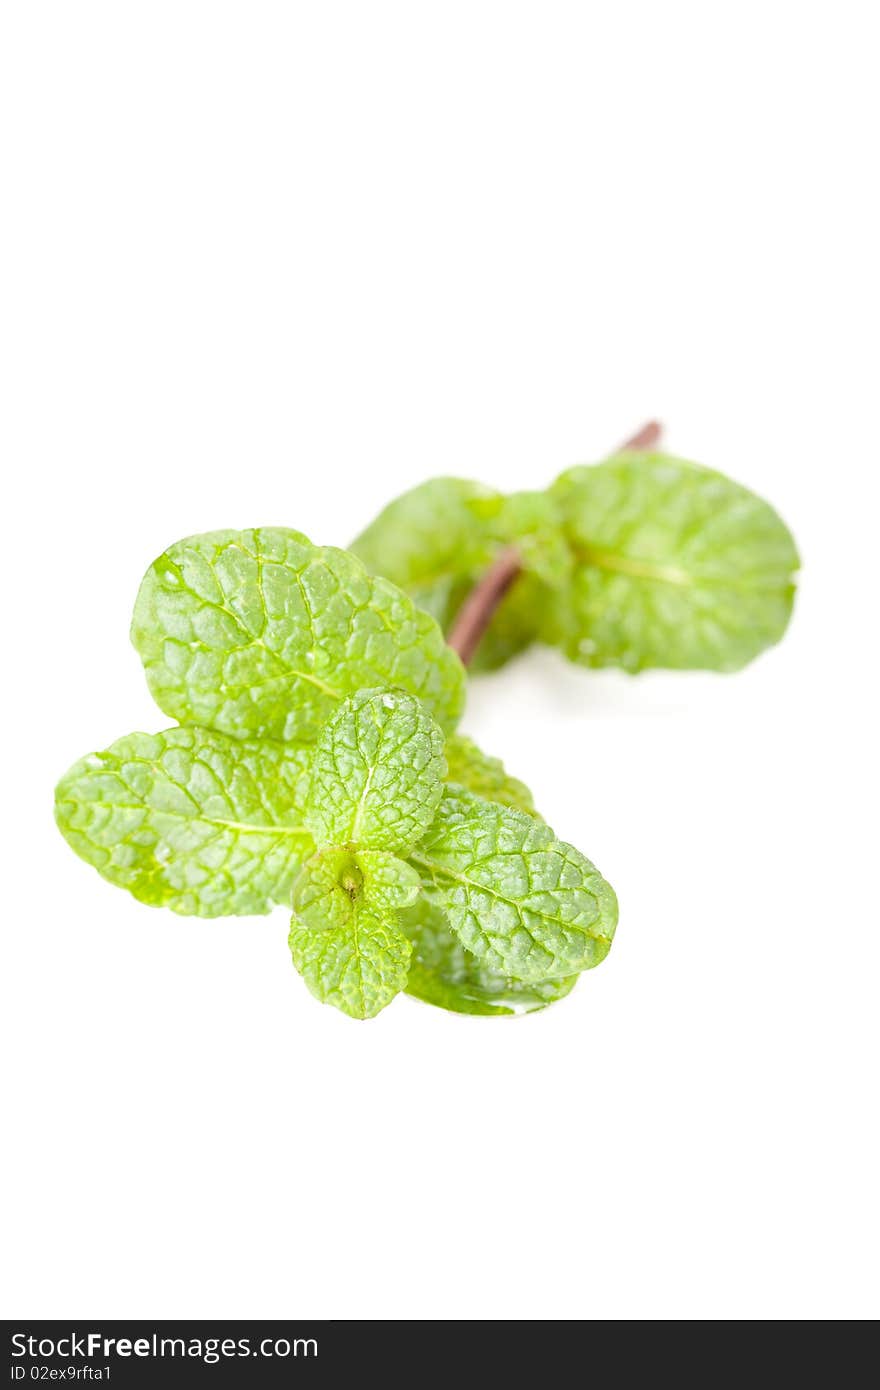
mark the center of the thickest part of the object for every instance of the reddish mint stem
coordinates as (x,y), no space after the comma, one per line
(646,437)
(478,609)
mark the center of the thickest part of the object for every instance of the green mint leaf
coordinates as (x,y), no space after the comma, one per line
(358,969)
(443,973)
(528,905)
(345,939)
(190,819)
(260,634)
(377,774)
(676,566)
(486,776)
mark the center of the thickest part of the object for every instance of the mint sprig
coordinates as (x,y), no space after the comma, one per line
(317,766)
(523,904)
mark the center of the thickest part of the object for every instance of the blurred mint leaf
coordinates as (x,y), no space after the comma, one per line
(515,623)
(190,819)
(675,566)
(260,633)
(526,904)
(443,973)
(484,775)
(345,939)
(431,539)
(529,521)
(436,541)
(533,523)
(377,773)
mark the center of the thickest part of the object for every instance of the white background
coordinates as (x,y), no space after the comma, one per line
(270,264)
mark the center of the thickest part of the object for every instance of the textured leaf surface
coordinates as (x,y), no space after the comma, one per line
(377,774)
(528,905)
(333,879)
(260,634)
(484,775)
(190,819)
(443,973)
(344,938)
(677,566)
